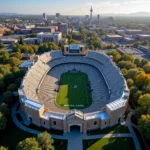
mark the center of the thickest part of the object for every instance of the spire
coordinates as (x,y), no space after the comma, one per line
(91,9)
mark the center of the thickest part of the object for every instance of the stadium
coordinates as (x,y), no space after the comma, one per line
(74,88)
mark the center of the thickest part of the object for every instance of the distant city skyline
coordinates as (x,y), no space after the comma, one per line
(78,7)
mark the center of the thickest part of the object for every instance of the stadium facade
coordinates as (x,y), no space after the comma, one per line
(110,93)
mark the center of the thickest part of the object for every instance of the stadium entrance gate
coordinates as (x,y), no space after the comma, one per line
(76,127)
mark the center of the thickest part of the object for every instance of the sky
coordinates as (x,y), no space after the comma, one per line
(74,7)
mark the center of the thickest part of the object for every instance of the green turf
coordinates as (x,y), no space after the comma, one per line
(73,93)
(111,130)
(109,144)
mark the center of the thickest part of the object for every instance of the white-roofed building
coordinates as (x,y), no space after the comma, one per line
(49,37)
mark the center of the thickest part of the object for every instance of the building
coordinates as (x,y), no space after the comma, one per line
(27,26)
(114,37)
(74,49)
(25,66)
(44,16)
(143,37)
(98,18)
(129,40)
(49,37)
(63,27)
(28,56)
(58,15)
(50,29)
(30,40)
(133,31)
(110,92)
(8,41)
(91,13)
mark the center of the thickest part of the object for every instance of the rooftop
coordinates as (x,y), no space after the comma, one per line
(144,35)
(114,35)
(102,115)
(27,64)
(33,104)
(48,27)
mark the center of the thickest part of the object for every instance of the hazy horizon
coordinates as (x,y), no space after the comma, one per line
(78,7)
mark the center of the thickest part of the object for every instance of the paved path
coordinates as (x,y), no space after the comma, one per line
(136,142)
(75,138)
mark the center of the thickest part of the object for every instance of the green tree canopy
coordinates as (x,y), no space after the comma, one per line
(144,125)
(28,144)
(12,87)
(147,68)
(130,83)
(17,55)
(3,121)
(13,61)
(127,57)
(142,80)
(3,148)
(45,141)
(126,64)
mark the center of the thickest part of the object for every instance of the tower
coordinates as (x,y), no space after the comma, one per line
(91,13)
(44,16)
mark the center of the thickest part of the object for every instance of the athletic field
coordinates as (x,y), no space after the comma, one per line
(73,92)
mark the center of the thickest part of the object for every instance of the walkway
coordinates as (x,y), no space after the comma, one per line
(75,138)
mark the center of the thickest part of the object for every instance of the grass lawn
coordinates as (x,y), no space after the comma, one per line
(112,130)
(109,144)
(73,93)
(13,135)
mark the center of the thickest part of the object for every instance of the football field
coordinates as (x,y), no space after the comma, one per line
(73,92)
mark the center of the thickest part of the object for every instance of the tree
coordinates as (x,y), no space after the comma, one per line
(146,42)
(147,68)
(3,121)
(133,90)
(130,83)
(45,141)
(4,109)
(2,85)
(144,102)
(136,96)
(8,98)
(13,61)
(12,87)
(1,76)
(3,148)
(142,80)
(17,55)
(132,73)
(144,125)
(91,47)
(116,55)
(28,144)
(127,57)
(124,72)
(126,64)
(144,62)
(137,62)
(4,56)
(2,45)
(146,89)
